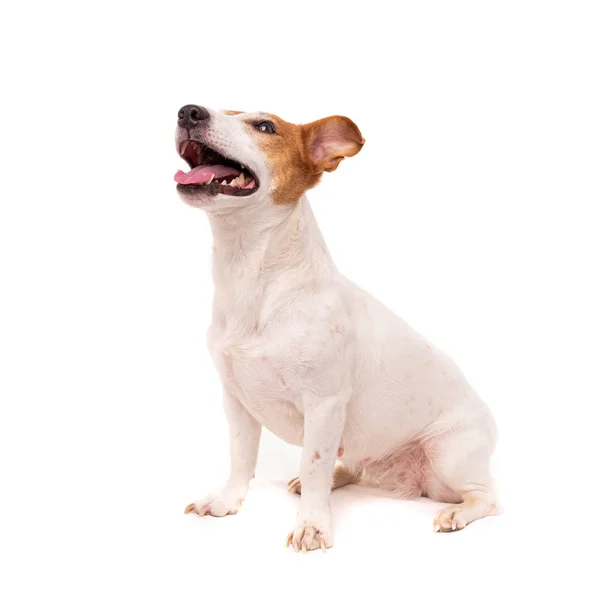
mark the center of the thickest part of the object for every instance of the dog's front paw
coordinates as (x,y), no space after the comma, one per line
(310,535)
(216,506)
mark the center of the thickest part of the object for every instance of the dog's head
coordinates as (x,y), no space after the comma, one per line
(237,158)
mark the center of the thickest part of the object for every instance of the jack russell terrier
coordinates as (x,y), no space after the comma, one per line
(302,350)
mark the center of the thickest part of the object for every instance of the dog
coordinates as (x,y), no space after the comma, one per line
(306,353)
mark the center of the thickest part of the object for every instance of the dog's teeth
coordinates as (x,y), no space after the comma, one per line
(241,180)
(184,146)
(212,176)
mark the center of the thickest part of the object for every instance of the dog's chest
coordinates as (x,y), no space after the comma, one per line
(250,369)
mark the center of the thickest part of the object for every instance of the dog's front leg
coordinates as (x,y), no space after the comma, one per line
(323,424)
(244,439)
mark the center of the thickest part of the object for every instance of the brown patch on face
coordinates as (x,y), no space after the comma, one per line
(316,456)
(298,154)
(292,170)
(232,113)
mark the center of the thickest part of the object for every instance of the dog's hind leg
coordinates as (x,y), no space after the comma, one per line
(460,462)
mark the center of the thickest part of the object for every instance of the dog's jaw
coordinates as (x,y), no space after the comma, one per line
(226,135)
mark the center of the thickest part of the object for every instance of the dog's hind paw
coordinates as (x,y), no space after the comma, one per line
(449,519)
(294,486)
(215,506)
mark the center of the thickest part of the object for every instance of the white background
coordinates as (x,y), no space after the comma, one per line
(472,211)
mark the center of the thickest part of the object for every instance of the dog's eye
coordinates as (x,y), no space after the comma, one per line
(266,127)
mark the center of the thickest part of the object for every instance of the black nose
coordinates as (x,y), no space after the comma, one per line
(190,115)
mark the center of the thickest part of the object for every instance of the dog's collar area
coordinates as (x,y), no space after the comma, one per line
(213,172)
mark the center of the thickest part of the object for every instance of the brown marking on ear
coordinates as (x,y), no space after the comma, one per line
(232,113)
(298,154)
(332,139)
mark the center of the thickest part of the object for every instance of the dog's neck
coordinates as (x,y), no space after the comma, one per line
(264,253)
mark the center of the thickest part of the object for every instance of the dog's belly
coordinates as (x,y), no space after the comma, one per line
(260,388)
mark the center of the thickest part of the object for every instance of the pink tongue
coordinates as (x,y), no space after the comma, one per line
(202,174)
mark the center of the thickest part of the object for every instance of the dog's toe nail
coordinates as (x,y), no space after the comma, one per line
(189,508)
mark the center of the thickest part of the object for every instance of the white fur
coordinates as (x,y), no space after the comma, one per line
(303,351)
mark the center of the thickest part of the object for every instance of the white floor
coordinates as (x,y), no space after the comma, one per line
(118,530)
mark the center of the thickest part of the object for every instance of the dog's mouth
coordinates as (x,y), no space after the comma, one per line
(212,172)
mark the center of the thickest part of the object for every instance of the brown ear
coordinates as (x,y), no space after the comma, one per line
(328,141)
